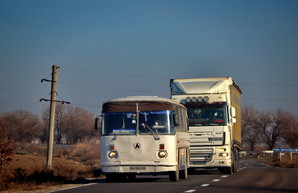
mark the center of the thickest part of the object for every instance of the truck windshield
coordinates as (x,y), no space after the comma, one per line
(206,116)
(150,123)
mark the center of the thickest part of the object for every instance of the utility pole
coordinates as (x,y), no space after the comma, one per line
(52,115)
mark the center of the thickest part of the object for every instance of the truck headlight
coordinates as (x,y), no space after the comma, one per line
(113,154)
(188,99)
(162,153)
(194,99)
(223,154)
(200,99)
(206,99)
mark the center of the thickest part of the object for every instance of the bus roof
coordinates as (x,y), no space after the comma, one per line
(140,103)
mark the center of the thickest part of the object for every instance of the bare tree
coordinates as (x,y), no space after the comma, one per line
(272,125)
(72,124)
(59,116)
(45,125)
(22,126)
(78,124)
(5,145)
(59,130)
(263,124)
(250,134)
(290,133)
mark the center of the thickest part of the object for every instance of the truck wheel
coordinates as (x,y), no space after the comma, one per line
(236,160)
(227,170)
(174,176)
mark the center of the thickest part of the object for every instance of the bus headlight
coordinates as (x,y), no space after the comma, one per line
(162,153)
(113,154)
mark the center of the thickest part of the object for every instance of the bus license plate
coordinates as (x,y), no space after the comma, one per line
(137,168)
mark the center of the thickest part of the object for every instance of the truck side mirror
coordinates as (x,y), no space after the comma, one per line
(233,114)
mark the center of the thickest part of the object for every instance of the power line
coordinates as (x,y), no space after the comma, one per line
(269,84)
(112,88)
(20,96)
(117,74)
(22,82)
(272,99)
(85,105)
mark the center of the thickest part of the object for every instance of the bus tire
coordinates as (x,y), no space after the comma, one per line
(174,176)
(131,177)
(183,174)
(115,177)
(110,177)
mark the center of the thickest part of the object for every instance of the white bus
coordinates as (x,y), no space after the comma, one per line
(144,135)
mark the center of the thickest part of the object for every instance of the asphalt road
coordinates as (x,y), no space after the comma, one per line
(251,177)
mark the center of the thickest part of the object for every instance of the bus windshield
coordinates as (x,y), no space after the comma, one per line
(206,116)
(150,122)
(156,122)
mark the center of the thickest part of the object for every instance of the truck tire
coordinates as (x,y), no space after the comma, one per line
(236,160)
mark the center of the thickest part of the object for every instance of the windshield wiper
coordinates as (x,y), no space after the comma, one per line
(123,124)
(152,132)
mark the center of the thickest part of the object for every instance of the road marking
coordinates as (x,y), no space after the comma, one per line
(205,185)
(215,180)
(224,176)
(190,191)
(79,186)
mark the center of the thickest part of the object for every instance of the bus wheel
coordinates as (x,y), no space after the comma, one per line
(183,173)
(111,177)
(131,177)
(174,176)
(115,177)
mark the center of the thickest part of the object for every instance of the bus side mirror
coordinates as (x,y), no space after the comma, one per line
(98,123)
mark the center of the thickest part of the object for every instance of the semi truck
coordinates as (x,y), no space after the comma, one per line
(214,113)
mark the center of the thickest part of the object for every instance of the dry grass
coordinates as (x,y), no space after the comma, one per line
(284,162)
(77,164)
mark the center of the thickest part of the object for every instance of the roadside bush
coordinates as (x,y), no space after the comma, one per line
(27,172)
(86,152)
(5,148)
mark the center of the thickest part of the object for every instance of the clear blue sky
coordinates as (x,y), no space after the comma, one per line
(116,48)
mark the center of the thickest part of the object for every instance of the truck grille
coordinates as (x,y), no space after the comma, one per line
(201,155)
